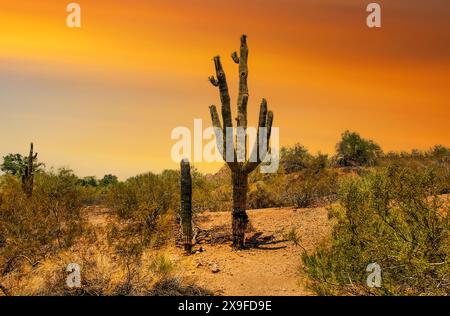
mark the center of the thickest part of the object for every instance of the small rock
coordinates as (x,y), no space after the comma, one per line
(215,268)
(199,250)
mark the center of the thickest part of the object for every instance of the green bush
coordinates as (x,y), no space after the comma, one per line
(392,217)
(15,164)
(142,205)
(147,195)
(108,179)
(295,158)
(353,150)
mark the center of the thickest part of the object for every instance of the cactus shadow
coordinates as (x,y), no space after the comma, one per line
(259,241)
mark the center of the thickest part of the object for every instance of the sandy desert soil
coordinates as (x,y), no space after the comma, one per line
(271,266)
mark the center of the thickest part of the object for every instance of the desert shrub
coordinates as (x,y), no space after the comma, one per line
(107,180)
(437,159)
(443,178)
(89,181)
(260,196)
(437,155)
(318,163)
(292,236)
(300,193)
(392,217)
(202,192)
(440,152)
(15,164)
(219,199)
(145,196)
(311,189)
(211,192)
(295,158)
(144,207)
(353,150)
(35,227)
(161,265)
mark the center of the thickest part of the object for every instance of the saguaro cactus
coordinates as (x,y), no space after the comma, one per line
(239,169)
(186,204)
(28,173)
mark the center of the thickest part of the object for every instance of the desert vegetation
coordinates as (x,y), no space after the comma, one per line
(391,209)
(393,217)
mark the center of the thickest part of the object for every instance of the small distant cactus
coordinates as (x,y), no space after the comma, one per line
(186,204)
(28,173)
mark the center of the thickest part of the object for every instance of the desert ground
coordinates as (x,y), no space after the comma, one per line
(270,266)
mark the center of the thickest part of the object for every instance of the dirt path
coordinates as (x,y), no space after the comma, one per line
(271,267)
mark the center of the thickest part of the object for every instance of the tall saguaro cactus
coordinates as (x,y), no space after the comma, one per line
(28,173)
(186,204)
(239,169)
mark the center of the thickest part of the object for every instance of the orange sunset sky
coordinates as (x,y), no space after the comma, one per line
(105,98)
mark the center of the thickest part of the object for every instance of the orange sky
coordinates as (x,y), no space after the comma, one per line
(104,98)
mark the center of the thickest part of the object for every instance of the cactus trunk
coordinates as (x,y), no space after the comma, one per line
(239,215)
(28,173)
(186,205)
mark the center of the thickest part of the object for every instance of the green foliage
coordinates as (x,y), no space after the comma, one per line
(295,158)
(15,164)
(440,152)
(108,179)
(147,196)
(437,158)
(89,181)
(293,236)
(353,150)
(393,217)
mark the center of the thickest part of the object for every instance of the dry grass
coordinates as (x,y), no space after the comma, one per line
(103,270)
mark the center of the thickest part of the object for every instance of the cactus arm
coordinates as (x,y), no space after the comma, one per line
(235,57)
(217,124)
(269,123)
(221,82)
(224,94)
(265,120)
(213,81)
